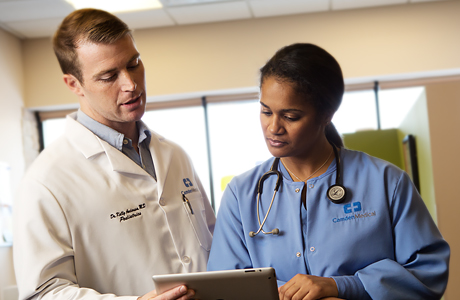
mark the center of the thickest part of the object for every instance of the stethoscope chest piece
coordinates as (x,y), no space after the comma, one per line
(336,193)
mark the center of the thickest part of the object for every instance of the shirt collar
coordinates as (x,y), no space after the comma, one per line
(111,136)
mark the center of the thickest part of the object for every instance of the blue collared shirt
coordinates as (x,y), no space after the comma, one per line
(122,143)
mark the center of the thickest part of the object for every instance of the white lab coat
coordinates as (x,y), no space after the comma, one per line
(91,224)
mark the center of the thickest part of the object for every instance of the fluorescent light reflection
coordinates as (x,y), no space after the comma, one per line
(116,6)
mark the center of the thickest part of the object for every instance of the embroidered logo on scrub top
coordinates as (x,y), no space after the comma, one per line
(353,212)
(356,207)
(130,213)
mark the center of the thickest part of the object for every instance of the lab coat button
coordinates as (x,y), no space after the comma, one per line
(297,190)
(312,249)
(162,202)
(298,254)
(186,260)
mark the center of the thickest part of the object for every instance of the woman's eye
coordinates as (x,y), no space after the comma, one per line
(291,118)
(267,113)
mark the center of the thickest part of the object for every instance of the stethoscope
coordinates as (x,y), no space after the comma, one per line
(336,193)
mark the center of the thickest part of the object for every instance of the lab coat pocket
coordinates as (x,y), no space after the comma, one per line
(197,218)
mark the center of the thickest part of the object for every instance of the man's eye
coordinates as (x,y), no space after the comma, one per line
(134,64)
(111,78)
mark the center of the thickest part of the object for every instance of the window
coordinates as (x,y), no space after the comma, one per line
(184,126)
(235,136)
(357,112)
(237,142)
(395,104)
(52,129)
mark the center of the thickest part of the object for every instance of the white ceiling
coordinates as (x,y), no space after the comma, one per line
(40,18)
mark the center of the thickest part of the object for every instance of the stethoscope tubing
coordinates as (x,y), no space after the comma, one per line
(336,193)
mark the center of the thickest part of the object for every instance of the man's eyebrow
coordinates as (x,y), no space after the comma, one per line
(135,56)
(99,74)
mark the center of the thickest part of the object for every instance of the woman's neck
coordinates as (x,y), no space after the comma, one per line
(313,164)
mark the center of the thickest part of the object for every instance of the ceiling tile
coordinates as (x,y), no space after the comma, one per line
(36,28)
(415,1)
(266,8)
(146,19)
(187,2)
(349,4)
(12,11)
(210,13)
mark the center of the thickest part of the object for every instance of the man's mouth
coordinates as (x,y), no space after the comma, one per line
(134,100)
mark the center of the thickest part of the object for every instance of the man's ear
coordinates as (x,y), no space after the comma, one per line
(73,84)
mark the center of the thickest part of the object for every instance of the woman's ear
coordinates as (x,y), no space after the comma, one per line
(73,84)
(328,119)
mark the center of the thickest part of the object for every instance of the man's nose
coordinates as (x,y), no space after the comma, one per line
(128,83)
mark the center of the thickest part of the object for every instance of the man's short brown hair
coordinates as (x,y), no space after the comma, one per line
(81,26)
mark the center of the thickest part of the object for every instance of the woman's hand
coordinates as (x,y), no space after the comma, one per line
(308,287)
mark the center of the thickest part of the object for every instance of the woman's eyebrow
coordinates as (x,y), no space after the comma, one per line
(283,110)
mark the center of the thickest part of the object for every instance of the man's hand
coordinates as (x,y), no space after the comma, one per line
(178,293)
(308,287)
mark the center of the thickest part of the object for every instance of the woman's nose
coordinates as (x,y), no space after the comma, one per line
(276,126)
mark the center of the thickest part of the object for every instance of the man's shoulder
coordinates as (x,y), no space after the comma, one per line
(54,158)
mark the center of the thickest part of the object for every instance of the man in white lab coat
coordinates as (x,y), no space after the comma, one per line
(110,203)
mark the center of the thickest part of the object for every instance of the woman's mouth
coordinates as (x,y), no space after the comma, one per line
(276,143)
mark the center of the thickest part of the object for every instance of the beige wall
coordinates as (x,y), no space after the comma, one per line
(444,122)
(11,103)
(367,42)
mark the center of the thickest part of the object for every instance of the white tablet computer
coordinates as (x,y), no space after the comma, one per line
(242,284)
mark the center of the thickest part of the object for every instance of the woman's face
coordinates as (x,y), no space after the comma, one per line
(290,124)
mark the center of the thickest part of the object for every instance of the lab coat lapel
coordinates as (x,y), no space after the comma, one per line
(161,155)
(120,162)
(90,145)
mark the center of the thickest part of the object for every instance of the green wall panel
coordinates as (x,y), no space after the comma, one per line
(384,144)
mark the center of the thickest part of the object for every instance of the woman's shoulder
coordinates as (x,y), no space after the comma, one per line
(363,161)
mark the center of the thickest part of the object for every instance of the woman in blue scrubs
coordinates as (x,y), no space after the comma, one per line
(378,242)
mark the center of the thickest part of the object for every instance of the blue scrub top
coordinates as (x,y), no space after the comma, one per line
(380,243)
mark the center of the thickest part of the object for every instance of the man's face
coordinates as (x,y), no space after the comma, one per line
(113,87)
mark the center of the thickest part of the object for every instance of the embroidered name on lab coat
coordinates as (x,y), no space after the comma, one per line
(130,213)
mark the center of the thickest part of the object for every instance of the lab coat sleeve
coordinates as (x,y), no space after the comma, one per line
(43,253)
(420,268)
(229,250)
(210,215)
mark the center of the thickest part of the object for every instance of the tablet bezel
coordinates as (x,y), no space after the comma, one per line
(240,284)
